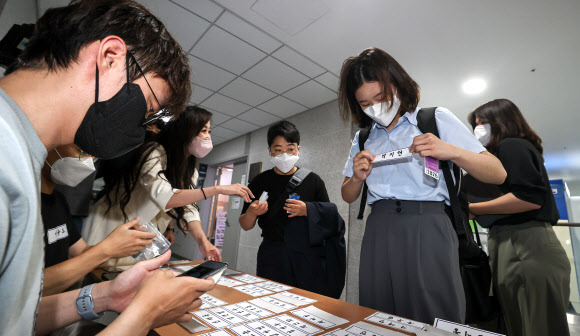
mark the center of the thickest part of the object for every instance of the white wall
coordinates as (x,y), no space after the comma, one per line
(17,12)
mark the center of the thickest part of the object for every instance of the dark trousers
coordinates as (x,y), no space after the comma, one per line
(409,262)
(531,278)
(278,262)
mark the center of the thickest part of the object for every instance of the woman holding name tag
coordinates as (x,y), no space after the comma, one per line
(409,264)
(530,269)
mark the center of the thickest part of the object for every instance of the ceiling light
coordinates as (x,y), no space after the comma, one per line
(474,86)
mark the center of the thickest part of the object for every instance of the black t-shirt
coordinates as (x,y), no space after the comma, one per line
(59,231)
(274,221)
(528,180)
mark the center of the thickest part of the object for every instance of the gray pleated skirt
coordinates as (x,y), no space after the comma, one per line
(409,263)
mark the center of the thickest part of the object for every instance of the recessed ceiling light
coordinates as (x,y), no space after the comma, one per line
(474,86)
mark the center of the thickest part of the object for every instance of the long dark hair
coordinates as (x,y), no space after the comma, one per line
(506,121)
(175,139)
(374,65)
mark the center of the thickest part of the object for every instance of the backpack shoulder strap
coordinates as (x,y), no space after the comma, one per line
(426,121)
(297,179)
(363,136)
(428,124)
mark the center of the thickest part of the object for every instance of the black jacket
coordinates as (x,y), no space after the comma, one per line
(321,234)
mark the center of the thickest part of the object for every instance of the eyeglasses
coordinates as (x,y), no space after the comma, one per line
(278,151)
(151,118)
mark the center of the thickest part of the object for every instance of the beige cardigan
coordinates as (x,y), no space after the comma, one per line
(148,201)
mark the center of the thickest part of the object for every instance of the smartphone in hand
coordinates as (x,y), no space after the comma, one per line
(213,269)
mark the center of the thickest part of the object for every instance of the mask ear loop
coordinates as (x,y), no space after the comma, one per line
(58,153)
(97,84)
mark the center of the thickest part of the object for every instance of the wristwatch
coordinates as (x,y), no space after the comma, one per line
(172,229)
(85,304)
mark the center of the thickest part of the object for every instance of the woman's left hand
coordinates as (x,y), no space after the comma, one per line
(429,145)
(297,207)
(210,252)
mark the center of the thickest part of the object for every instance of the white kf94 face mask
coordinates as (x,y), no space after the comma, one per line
(381,113)
(482,133)
(285,162)
(71,171)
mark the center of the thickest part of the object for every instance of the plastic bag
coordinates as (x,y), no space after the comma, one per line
(158,246)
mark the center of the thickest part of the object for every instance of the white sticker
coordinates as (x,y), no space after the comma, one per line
(211,301)
(243,330)
(217,333)
(460,329)
(319,317)
(297,323)
(227,316)
(57,233)
(366,329)
(273,305)
(398,154)
(247,278)
(273,286)
(263,329)
(211,319)
(255,309)
(253,290)
(229,282)
(292,298)
(396,322)
(241,312)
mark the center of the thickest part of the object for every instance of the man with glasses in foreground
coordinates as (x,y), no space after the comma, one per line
(78,82)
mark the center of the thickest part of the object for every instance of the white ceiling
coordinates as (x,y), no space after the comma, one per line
(245,76)
(257,61)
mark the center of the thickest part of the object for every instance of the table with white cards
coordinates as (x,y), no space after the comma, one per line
(245,305)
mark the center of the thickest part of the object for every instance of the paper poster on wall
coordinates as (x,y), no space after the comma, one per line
(236,202)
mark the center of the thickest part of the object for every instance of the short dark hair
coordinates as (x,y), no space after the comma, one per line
(62,32)
(374,65)
(506,121)
(285,129)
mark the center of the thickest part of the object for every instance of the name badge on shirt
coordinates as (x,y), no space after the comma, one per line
(393,155)
(431,167)
(57,233)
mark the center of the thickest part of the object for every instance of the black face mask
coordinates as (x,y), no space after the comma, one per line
(114,127)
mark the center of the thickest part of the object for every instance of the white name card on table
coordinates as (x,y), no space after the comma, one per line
(247,278)
(253,290)
(217,333)
(367,329)
(285,322)
(292,298)
(210,301)
(229,282)
(274,305)
(273,286)
(396,322)
(460,329)
(319,317)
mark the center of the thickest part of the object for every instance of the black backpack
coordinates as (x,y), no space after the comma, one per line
(474,262)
